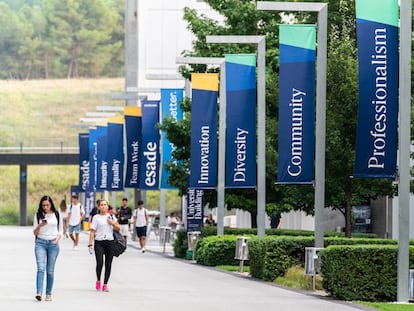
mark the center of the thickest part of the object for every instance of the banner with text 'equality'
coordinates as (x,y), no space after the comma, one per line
(115,153)
(170,108)
(377,128)
(203,149)
(149,169)
(241,120)
(296,145)
(84,166)
(132,115)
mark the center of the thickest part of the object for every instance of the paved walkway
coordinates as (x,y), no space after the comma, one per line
(151,281)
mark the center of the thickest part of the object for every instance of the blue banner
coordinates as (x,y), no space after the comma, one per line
(195,207)
(115,153)
(101,157)
(241,121)
(377,129)
(203,157)
(170,108)
(150,156)
(84,167)
(93,161)
(133,145)
(296,146)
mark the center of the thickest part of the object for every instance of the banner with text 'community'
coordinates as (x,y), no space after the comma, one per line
(132,115)
(150,152)
(296,146)
(377,128)
(241,120)
(203,149)
(170,108)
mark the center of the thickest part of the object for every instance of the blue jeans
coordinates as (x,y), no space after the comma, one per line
(46,253)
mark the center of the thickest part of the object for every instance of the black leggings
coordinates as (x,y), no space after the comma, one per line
(102,248)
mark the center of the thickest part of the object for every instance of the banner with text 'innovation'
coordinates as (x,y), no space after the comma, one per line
(203,149)
(93,162)
(377,128)
(296,146)
(101,157)
(241,120)
(132,115)
(195,207)
(170,108)
(115,154)
(150,155)
(84,166)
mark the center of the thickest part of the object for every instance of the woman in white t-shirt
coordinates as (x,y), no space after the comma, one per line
(101,239)
(48,230)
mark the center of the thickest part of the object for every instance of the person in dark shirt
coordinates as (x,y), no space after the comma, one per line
(276,221)
(124,214)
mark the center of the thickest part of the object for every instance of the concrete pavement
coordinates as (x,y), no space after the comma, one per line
(140,281)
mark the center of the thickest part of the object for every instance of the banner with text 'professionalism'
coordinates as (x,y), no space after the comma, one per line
(115,153)
(203,149)
(150,152)
(132,115)
(241,121)
(170,108)
(195,209)
(93,163)
(84,166)
(296,146)
(101,157)
(377,127)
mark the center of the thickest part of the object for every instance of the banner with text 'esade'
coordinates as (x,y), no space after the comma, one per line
(170,108)
(241,121)
(377,128)
(296,146)
(150,152)
(115,154)
(203,149)
(93,162)
(84,166)
(132,115)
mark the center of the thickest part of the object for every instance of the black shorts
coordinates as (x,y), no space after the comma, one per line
(141,231)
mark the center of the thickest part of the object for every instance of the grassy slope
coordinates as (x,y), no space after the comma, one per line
(40,113)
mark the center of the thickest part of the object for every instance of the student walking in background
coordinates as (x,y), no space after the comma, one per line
(101,239)
(141,222)
(48,230)
(124,214)
(63,209)
(75,216)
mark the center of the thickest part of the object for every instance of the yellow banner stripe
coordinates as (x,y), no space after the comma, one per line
(205,81)
(133,111)
(116,120)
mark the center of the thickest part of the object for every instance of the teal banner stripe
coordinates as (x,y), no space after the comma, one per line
(384,11)
(301,36)
(242,59)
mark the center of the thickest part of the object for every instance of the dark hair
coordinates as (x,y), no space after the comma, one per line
(40,212)
(140,202)
(125,199)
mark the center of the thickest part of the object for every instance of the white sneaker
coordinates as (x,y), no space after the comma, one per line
(75,248)
(143,249)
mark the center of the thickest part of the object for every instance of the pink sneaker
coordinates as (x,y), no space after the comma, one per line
(105,288)
(98,285)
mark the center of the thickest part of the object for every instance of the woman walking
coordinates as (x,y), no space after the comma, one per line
(101,239)
(48,230)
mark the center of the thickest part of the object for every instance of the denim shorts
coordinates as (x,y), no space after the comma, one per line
(74,229)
